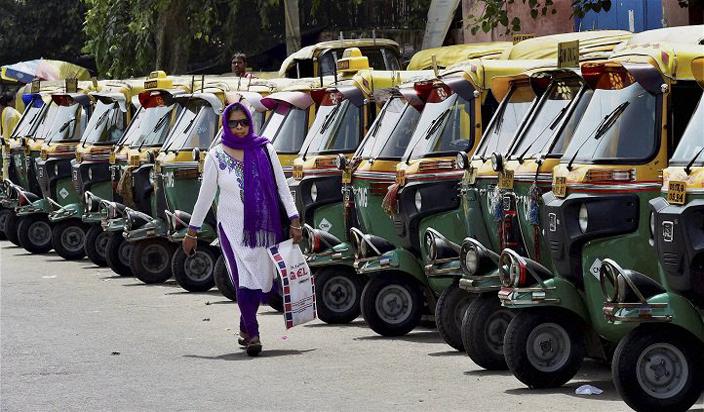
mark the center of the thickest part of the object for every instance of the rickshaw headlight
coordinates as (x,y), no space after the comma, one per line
(90,173)
(471,260)
(314,192)
(583,218)
(652,225)
(418,200)
(56,169)
(151,176)
(461,161)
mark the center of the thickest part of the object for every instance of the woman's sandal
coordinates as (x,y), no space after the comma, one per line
(243,340)
(254,346)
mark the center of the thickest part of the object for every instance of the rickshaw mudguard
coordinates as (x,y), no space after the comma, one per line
(38,206)
(152,229)
(558,292)
(397,260)
(113,225)
(73,210)
(439,283)
(482,282)
(93,218)
(338,255)
(677,308)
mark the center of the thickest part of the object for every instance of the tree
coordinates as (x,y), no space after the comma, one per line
(495,12)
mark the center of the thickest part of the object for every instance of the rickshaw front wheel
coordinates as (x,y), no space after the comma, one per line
(222,280)
(449,311)
(483,331)
(11,222)
(658,368)
(545,347)
(69,238)
(34,233)
(392,304)
(194,273)
(338,291)
(96,245)
(150,260)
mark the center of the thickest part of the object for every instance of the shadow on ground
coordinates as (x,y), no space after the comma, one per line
(240,356)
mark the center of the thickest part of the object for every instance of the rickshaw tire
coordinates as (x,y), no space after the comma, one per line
(60,249)
(140,272)
(451,301)
(112,255)
(92,235)
(626,357)
(23,225)
(4,214)
(275,298)
(222,280)
(11,228)
(475,331)
(178,268)
(516,342)
(368,304)
(328,315)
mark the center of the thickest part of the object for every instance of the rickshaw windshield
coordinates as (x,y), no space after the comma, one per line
(506,122)
(106,125)
(66,125)
(324,115)
(690,150)
(30,119)
(389,136)
(193,129)
(447,129)
(339,133)
(286,128)
(545,121)
(153,129)
(617,125)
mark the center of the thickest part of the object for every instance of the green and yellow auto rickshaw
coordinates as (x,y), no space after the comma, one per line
(643,97)
(132,164)
(66,120)
(657,365)
(115,106)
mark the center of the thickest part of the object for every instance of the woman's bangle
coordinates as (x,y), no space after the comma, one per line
(191,236)
(296,227)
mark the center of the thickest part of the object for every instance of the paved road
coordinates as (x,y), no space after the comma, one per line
(77,337)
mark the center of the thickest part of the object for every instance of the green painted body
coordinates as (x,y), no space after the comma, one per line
(181,194)
(522,191)
(102,190)
(114,225)
(40,206)
(333,213)
(450,225)
(397,260)
(73,210)
(342,254)
(372,217)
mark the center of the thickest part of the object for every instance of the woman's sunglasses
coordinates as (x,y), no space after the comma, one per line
(234,123)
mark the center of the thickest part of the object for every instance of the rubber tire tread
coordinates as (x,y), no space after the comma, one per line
(56,233)
(11,229)
(451,299)
(135,261)
(23,234)
(326,314)
(222,279)
(112,257)
(178,262)
(92,235)
(474,329)
(368,304)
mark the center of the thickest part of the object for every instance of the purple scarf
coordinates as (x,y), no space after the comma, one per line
(262,221)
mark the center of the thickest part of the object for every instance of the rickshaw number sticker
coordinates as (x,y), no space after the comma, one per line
(325,225)
(559,186)
(668,231)
(506,179)
(677,193)
(553,221)
(595,268)
(64,193)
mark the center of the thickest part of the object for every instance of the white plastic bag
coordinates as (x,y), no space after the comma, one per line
(298,288)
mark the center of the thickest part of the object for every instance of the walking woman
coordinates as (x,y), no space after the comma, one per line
(253,189)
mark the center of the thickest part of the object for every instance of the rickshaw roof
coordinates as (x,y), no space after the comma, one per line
(545,47)
(501,84)
(449,55)
(298,99)
(369,80)
(127,88)
(308,52)
(481,72)
(698,70)
(680,34)
(672,60)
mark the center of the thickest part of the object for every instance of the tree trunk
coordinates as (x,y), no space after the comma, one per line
(173,39)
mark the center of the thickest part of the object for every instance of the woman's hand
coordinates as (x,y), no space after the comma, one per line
(189,245)
(295,231)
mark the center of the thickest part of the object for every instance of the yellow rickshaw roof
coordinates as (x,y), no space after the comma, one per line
(308,52)
(449,55)
(545,47)
(681,34)
(672,60)
(481,72)
(369,80)
(698,70)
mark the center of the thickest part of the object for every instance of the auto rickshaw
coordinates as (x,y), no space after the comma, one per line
(346,111)
(644,95)
(132,165)
(66,120)
(19,158)
(320,59)
(447,56)
(657,365)
(115,107)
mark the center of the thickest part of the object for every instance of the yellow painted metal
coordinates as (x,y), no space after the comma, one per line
(591,43)
(449,55)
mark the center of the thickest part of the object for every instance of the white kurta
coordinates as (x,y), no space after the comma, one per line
(254,267)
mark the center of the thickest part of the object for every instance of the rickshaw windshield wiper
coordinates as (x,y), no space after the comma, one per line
(688,168)
(600,129)
(550,125)
(432,127)
(99,123)
(329,118)
(161,122)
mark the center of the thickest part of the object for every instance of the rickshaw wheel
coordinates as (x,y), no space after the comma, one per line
(449,311)
(658,368)
(4,213)
(34,233)
(275,298)
(222,279)
(483,329)
(544,348)
(151,260)
(96,245)
(11,223)
(392,304)
(338,291)
(194,273)
(69,238)
(117,254)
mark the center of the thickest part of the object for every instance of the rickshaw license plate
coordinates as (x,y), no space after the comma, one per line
(559,186)
(677,193)
(346,177)
(506,179)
